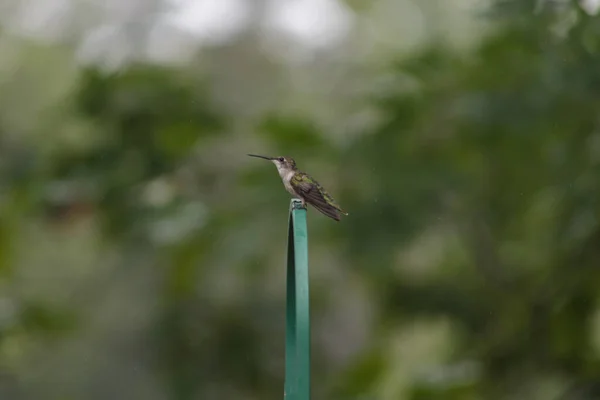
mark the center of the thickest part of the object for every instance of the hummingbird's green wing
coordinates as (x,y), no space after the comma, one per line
(314,194)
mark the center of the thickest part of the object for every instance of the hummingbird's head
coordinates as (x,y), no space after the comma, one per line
(282,163)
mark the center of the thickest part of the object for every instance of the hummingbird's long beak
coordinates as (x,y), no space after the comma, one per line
(266,158)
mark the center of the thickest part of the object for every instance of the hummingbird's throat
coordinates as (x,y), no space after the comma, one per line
(285,173)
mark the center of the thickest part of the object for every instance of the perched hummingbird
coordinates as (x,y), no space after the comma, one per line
(304,187)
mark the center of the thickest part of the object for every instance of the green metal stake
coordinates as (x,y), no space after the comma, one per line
(297,337)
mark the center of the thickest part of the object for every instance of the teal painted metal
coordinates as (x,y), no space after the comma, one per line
(297,337)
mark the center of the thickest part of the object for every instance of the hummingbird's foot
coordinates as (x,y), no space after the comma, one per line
(299,204)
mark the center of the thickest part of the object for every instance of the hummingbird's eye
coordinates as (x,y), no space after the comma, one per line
(280,159)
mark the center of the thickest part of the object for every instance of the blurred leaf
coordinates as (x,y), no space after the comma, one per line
(363,375)
(292,135)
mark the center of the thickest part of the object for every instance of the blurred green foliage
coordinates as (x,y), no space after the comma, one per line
(141,253)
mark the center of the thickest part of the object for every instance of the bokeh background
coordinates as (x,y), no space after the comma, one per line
(142,253)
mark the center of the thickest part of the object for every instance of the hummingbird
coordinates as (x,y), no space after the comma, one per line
(304,187)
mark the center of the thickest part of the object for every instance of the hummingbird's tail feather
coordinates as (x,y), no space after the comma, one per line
(337,207)
(326,209)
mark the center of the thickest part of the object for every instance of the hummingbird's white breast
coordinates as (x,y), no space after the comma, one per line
(286,176)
